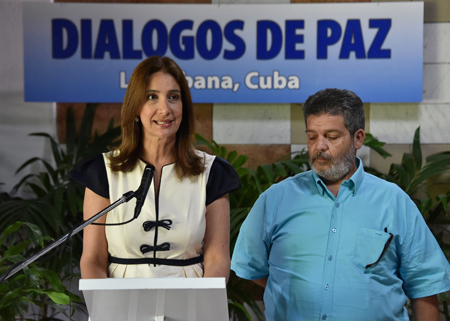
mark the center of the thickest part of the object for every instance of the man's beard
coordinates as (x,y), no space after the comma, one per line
(339,168)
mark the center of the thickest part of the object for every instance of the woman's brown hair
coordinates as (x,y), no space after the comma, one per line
(188,162)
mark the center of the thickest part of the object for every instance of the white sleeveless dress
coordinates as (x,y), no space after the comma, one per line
(180,201)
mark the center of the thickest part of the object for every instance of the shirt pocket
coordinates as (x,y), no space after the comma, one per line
(370,245)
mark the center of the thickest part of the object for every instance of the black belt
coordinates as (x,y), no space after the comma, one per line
(151,260)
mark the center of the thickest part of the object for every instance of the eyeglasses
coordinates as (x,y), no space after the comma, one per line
(384,250)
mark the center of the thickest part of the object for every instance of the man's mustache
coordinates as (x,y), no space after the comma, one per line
(322,155)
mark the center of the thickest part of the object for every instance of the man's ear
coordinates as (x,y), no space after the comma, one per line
(358,138)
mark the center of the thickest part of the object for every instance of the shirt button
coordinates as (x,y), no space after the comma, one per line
(324,317)
(326,287)
(330,257)
(333,230)
(337,204)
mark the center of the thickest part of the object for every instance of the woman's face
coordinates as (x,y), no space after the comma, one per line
(162,113)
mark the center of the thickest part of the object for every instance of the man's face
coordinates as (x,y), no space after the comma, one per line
(331,148)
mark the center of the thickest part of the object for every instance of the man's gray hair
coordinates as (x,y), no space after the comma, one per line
(337,102)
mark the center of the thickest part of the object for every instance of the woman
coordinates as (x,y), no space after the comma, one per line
(185,216)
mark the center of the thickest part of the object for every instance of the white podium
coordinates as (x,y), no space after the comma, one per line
(168,299)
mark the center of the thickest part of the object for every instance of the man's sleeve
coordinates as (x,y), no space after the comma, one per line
(251,252)
(424,267)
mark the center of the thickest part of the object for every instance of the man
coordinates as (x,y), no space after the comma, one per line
(336,243)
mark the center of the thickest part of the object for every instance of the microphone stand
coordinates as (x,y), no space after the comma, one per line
(125,198)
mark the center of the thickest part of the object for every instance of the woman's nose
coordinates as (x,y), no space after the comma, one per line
(163,106)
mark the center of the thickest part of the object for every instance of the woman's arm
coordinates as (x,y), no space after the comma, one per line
(94,260)
(217,239)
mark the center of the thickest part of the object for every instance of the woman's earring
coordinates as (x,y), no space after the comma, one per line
(136,119)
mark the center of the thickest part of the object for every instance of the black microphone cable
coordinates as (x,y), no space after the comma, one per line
(141,194)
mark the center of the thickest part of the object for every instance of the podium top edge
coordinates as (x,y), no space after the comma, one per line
(151,283)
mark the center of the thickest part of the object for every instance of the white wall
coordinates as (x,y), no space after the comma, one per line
(18,118)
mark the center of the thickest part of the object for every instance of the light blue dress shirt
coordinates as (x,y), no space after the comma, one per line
(315,248)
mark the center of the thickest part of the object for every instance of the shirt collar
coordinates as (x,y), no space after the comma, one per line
(353,183)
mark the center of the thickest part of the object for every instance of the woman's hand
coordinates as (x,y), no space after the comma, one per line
(94,260)
(217,239)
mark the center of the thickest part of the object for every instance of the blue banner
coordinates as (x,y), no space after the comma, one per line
(77,52)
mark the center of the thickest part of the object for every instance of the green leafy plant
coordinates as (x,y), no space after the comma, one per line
(411,175)
(56,207)
(35,283)
(376,145)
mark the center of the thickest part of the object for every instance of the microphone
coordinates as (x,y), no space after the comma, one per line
(143,189)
